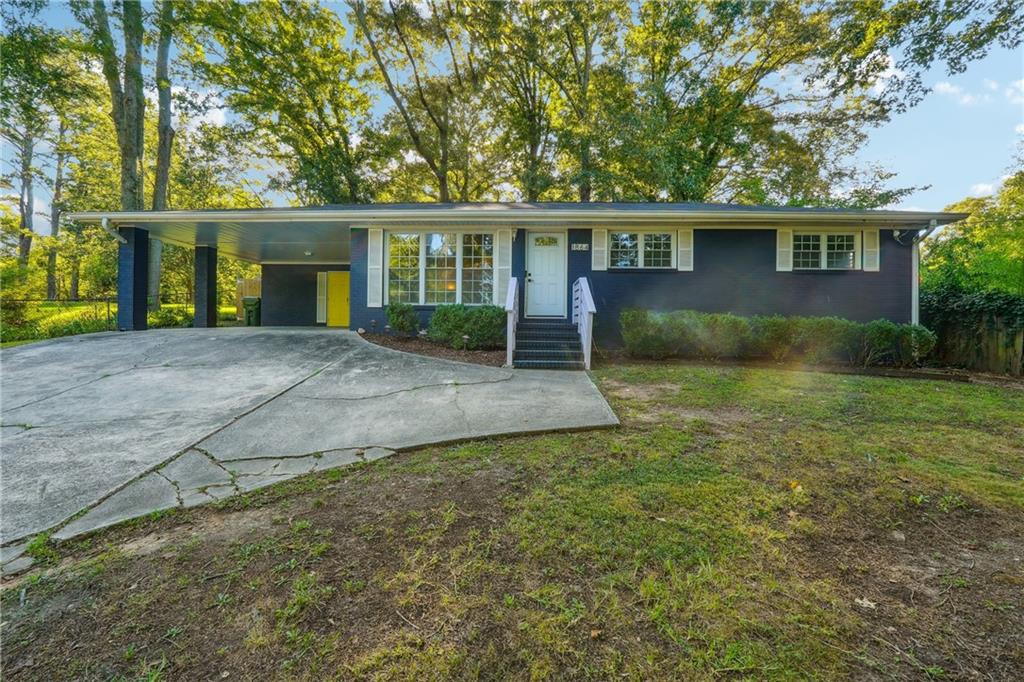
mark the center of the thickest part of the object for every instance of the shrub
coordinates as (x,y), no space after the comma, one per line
(773,336)
(643,336)
(688,333)
(167,316)
(722,335)
(484,325)
(914,344)
(402,318)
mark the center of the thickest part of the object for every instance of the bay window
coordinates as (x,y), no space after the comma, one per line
(641,249)
(433,268)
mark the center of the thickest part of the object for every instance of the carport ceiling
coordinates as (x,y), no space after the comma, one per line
(259,241)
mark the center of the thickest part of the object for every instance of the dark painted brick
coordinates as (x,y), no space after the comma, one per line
(132,278)
(206,286)
(289,294)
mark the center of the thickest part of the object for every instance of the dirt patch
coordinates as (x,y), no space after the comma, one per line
(254,592)
(940,596)
(491,358)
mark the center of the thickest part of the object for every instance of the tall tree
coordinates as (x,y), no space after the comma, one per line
(283,66)
(123,74)
(426,46)
(165,140)
(36,79)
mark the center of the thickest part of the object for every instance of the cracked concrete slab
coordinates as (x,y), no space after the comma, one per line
(212,412)
(150,493)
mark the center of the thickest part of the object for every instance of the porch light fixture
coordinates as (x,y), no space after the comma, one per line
(308,253)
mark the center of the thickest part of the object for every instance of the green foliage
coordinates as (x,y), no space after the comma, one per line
(773,335)
(483,325)
(170,316)
(688,333)
(946,306)
(402,318)
(985,251)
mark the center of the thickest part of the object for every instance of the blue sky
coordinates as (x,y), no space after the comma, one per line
(960,139)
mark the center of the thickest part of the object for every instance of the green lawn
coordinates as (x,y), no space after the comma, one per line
(741,524)
(52,319)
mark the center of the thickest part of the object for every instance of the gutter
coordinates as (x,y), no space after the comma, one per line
(105,224)
(907,218)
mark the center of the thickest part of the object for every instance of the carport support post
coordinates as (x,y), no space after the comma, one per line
(132,269)
(206,287)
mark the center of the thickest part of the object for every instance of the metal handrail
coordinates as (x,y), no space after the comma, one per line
(512,314)
(583,310)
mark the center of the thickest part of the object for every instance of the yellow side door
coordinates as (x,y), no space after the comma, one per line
(337,299)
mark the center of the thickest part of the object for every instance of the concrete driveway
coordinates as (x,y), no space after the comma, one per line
(122,424)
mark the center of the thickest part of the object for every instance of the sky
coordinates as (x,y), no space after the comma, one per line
(961,138)
(959,141)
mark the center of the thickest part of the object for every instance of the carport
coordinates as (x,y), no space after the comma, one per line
(314,239)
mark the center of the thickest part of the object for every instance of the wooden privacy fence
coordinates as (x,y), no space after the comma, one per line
(251,286)
(987,344)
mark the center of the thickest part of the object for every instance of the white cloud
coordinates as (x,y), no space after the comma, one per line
(1019,129)
(1015,92)
(982,189)
(961,96)
(990,84)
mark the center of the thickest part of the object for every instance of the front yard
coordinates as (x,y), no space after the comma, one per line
(742,523)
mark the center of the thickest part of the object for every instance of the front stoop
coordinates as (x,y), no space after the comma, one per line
(547,344)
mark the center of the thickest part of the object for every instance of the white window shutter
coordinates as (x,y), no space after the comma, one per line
(374,268)
(871,250)
(502,265)
(784,250)
(684,257)
(321,297)
(599,250)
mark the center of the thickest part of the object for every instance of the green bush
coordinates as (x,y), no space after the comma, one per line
(773,336)
(722,335)
(402,318)
(483,325)
(687,333)
(915,344)
(643,335)
(167,316)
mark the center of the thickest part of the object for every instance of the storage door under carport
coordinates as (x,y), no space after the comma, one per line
(332,292)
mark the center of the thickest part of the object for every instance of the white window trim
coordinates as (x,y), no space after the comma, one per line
(423,264)
(674,240)
(823,250)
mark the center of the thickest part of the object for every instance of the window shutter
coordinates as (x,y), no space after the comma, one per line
(599,250)
(374,267)
(684,259)
(784,250)
(871,251)
(502,265)
(321,298)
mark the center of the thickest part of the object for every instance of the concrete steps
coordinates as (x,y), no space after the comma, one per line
(547,344)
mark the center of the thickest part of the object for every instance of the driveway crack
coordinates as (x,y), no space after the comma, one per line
(453,384)
(177,488)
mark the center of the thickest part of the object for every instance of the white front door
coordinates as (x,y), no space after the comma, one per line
(545,274)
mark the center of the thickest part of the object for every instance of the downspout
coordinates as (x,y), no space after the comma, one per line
(105,224)
(915,272)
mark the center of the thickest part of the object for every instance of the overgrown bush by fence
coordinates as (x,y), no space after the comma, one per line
(711,336)
(979,330)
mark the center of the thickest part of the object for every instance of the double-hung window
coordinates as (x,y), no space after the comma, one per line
(432,268)
(826,251)
(641,249)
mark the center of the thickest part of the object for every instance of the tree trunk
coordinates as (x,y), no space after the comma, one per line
(165,140)
(132,193)
(76,268)
(55,210)
(26,200)
(585,179)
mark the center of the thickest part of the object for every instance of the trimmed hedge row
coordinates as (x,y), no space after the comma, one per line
(688,333)
(459,326)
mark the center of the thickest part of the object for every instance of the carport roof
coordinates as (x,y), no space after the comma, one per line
(271,234)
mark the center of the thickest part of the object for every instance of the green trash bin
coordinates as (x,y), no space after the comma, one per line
(252,310)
